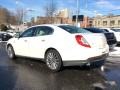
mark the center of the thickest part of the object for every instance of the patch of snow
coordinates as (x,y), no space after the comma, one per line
(115,52)
(99,86)
(112,83)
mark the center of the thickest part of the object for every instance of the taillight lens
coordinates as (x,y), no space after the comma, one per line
(82,41)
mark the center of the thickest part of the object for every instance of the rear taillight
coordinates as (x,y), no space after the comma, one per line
(82,41)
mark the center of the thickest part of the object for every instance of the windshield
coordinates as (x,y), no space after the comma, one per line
(73,29)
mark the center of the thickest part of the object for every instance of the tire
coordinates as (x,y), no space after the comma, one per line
(98,64)
(11,52)
(53,60)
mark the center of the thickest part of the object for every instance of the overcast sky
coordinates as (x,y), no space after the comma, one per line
(101,7)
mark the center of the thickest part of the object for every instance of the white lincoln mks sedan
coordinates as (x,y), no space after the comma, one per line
(59,45)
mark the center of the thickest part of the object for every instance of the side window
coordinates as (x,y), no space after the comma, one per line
(28,33)
(43,30)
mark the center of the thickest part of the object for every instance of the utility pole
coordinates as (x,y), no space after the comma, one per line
(77,12)
(52,12)
(17,2)
(86,6)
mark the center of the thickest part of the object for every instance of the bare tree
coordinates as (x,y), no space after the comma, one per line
(4,15)
(50,9)
(32,20)
(7,17)
(20,14)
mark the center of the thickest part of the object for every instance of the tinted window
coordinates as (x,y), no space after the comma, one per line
(95,30)
(73,29)
(43,30)
(28,33)
(105,30)
(116,30)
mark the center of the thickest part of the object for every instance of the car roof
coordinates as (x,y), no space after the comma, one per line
(51,25)
(115,28)
(105,28)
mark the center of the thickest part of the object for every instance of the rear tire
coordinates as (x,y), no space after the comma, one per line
(98,64)
(53,60)
(11,52)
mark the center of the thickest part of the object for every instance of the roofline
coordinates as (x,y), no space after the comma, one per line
(49,25)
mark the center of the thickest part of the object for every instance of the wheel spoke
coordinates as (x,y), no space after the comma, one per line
(52,60)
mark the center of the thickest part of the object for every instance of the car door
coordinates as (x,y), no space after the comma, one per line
(41,41)
(21,43)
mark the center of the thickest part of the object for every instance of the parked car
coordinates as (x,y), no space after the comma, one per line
(59,45)
(116,32)
(17,33)
(11,32)
(111,39)
(4,36)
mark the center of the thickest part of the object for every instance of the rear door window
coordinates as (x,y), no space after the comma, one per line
(43,30)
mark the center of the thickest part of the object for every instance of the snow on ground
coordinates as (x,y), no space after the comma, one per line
(114,56)
(115,52)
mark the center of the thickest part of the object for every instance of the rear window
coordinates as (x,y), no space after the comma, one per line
(73,29)
(116,30)
(96,30)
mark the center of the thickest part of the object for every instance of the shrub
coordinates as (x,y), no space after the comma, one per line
(3,27)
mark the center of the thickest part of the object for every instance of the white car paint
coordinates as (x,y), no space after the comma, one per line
(64,42)
(117,34)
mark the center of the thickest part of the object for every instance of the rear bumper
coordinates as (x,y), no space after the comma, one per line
(85,62)
(118,42)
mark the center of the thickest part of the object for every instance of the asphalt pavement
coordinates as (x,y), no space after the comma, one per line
(31,74)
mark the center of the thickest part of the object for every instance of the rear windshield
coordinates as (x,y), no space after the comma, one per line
(96,30)
(73,29)
(105,30)
(116,30)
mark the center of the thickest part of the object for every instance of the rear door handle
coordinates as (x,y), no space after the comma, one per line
(25,40)
(42,40)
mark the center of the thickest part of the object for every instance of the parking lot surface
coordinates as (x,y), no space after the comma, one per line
(30,74)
